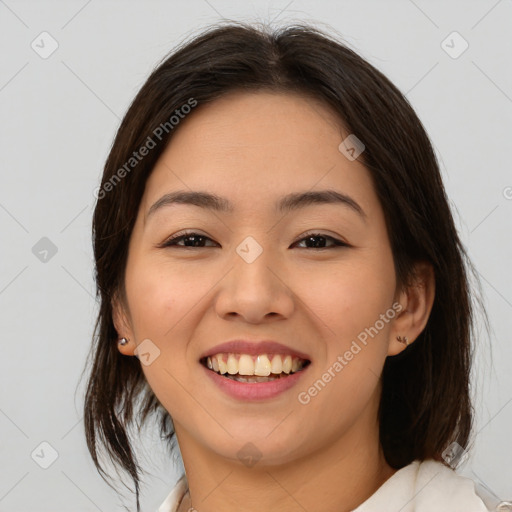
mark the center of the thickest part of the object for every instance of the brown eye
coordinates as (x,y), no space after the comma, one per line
(318,240)
(193,239)
(190,239)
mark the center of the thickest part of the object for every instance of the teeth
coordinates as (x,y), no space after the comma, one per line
(262,365)
(252,378)
(223,368)
(287,364)
(232,364)
(276,365)
(245,365)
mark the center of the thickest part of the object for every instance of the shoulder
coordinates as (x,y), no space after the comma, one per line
(444,487)
(426,486)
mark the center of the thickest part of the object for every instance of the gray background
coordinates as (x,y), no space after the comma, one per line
(58,118)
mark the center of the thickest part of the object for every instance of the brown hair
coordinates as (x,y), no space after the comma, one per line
(425,402)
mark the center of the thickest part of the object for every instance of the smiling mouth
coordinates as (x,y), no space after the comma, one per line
(253,369)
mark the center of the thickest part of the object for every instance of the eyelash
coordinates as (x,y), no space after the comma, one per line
(171,242)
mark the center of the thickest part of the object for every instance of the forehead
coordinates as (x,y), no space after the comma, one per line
(244,119)
(257,146)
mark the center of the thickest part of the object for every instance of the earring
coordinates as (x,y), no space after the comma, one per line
(123,341)
(403,339)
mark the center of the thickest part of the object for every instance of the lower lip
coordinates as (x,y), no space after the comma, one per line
(254,390)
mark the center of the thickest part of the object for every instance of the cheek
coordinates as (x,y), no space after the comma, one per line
(164,301)
(352,296)
(349,306)
(349,300)
(160,297)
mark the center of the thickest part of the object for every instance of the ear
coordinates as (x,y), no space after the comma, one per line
(120,317)
(416,301)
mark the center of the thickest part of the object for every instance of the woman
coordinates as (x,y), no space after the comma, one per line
(273,244)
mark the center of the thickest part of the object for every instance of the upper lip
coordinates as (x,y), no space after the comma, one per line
(253,348)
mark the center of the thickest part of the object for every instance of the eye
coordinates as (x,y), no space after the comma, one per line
(322,238)
(193,239)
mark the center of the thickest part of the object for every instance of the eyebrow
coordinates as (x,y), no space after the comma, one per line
(290,202)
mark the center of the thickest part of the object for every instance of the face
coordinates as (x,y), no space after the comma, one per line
(311,277)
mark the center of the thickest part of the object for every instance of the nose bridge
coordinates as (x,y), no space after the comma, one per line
(254,288)
(252,261)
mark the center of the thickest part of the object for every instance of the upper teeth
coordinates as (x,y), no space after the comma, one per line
(261,365)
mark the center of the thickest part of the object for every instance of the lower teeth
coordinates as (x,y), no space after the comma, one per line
(252,378)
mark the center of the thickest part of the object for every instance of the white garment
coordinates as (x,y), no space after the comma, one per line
(427,486)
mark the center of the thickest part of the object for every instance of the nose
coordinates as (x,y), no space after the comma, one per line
(255,291)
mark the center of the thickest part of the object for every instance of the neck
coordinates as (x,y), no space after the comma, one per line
(340,476)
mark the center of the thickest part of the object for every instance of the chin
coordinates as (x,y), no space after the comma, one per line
(253,447)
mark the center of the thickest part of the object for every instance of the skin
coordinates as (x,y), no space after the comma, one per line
(253,148)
